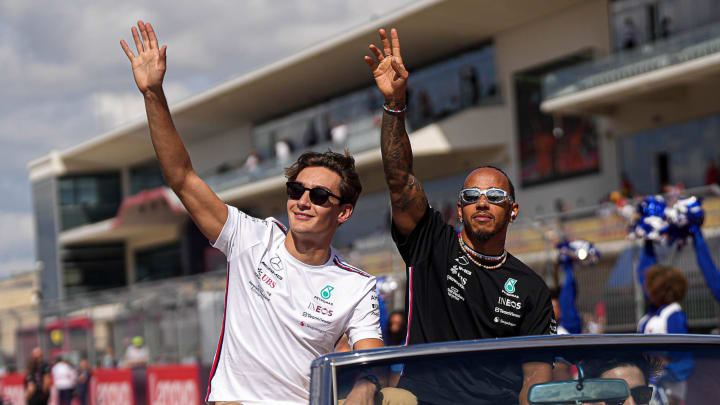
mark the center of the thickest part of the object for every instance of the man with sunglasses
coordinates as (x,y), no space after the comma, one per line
(460,286)
(635,369)
(290,296)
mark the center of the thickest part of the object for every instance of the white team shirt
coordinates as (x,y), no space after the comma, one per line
(281,314)
(64,376)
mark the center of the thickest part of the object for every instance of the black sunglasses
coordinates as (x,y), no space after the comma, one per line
(318,195)
(641,394)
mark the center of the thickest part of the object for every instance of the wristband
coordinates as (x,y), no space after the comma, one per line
(378,397)
(394,111)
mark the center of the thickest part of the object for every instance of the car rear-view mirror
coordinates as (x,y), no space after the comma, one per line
(576,392)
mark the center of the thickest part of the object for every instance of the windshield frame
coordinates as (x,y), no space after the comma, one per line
(323,369)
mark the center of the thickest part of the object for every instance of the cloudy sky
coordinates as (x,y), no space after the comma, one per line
(65,79)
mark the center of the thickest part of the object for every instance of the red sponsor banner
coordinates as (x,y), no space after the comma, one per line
(13,389)
(111,386)
(173,384)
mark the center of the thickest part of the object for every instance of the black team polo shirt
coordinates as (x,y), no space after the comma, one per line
(450,298)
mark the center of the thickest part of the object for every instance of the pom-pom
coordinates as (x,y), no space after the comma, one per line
(580,251)
(650,220)
(685,218)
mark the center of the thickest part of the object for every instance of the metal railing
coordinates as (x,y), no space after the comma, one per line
(624,64)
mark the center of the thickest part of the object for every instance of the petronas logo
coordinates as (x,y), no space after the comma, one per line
(326,292)
(510,285)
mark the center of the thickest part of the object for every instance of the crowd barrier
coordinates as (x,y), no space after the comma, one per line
(153,385)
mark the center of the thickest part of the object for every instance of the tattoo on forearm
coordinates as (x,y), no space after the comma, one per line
(405,191)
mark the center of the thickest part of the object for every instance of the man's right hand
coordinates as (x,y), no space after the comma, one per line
(389,72)
(149,65)
(407,197)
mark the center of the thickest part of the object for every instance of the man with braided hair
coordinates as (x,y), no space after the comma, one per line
(460,286)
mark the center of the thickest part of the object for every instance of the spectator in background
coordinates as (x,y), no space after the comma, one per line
(83,381)
(665,29)
(64,379)
(282,151)
(712,174)
(664,288)
(339,133)
(629,34)
(311,136)
(38,373)
(37,383)
(137,354)
(397,329)
(563,301)
(470,88)
(252,161)
(108,359)
(626,186)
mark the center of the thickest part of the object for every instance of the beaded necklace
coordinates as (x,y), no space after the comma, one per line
(472,255)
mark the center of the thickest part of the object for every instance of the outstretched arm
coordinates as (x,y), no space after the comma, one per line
(407,196)
(569,318)
(647,259)
(205,208)
(705,262)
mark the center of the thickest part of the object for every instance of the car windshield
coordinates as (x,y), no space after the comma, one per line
(652,370)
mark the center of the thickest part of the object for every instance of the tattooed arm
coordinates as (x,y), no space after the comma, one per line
(406,193)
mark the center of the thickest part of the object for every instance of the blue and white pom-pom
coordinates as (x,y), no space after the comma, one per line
(580,251)
(651,222)
(685,217)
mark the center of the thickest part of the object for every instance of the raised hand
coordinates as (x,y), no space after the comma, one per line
(389,71)
(149,65)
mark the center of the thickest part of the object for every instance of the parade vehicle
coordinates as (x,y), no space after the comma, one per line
(578,378)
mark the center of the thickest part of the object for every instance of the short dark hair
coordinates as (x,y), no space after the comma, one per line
(596,366)
(512,187)
(665,284)
(343,165)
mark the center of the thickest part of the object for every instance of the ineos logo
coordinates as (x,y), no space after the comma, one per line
(509,303)
(320,309)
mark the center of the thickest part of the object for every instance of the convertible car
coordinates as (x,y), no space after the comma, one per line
(609,369)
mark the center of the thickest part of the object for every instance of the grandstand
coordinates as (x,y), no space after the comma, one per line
(547,90)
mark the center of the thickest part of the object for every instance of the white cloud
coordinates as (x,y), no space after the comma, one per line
(17,241)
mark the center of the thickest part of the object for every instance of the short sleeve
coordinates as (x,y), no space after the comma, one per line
(541,319)
(365,320)
(430,231)
(239,232)
(677,323)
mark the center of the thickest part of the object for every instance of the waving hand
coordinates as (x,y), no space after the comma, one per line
(149,65)
(389,72)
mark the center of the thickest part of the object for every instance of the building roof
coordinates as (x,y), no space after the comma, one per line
(305,78)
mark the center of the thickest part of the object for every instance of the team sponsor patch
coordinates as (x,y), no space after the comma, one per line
(307,325)
(506,312)
(510,303)
(455,294)
(504,322)
(510,285)
(310,315)
(260,291)
(459,281)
